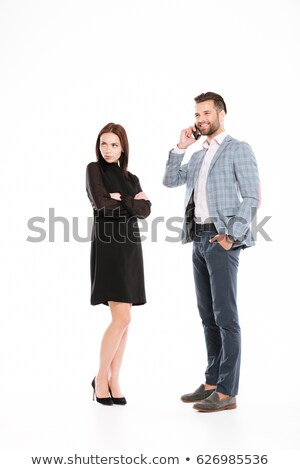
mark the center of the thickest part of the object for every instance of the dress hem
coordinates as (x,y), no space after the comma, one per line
(105,302)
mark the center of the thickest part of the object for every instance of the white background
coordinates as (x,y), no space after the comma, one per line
(68,68)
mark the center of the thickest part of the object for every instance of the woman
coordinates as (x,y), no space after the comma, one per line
(117,274)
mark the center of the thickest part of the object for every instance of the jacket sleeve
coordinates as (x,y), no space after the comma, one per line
(137,207)
(175,173)
(246,173)
(98,194)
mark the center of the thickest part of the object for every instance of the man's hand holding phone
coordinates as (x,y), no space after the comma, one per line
(188,137)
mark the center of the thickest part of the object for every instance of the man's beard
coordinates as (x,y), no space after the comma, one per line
(211,129)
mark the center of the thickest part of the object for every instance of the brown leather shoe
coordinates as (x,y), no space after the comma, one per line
(197,395)
(214,403)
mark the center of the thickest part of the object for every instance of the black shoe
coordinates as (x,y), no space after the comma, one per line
(104,401)
(117,401)
(197,395)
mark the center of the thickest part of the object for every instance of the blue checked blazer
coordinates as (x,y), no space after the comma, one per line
(232,188)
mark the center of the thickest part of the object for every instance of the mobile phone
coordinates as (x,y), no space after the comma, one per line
(196,133)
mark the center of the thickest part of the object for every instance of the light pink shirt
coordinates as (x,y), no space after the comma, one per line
(200,197)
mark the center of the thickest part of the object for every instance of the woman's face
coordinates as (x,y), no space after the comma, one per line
(110,147)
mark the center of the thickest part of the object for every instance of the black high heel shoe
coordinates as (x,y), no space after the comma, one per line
(117,401)
(104,401)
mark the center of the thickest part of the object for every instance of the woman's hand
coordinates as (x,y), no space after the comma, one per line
(141,195)
(116,196)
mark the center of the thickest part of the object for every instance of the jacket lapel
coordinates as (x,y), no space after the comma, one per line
(223,145)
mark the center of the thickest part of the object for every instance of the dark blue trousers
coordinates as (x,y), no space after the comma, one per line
(215,274)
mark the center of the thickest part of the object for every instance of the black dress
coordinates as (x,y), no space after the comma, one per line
(117,272)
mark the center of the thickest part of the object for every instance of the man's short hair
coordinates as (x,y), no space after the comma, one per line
(218,100)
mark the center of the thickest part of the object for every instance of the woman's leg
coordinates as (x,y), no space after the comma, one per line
(111,342)
(116,366)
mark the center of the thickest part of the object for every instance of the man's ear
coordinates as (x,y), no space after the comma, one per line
(222,115)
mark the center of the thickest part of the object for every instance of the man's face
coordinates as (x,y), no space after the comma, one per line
(208,120)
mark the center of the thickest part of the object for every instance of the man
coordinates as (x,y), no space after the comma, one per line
(222,196)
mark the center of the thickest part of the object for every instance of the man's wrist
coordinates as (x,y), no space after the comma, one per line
(178,150)
(180,147)
(230,239)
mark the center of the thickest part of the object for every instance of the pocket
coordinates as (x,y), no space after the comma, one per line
(216,246)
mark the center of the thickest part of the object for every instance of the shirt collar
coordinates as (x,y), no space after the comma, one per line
(218,139)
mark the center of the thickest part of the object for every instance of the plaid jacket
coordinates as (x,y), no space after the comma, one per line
(232,188)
